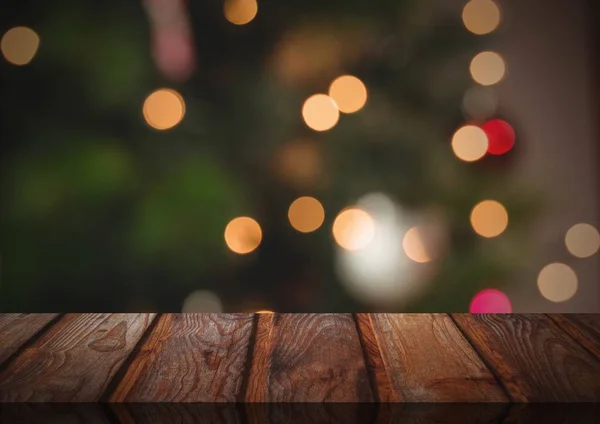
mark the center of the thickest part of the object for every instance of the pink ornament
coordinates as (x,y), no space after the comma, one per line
(490,301)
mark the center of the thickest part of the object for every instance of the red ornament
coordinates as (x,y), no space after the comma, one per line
(501,136)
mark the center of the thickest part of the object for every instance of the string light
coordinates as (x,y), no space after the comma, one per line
(490,301)
(557,282)
(349,93)
(489,218)
(19,45)
(164,109)
(500,135)
(469,143)
(243,235)
(582,240)
(320,112)
(353,229)
(488,68)
(414,246)
(481,16)
(240,12)
(306,214)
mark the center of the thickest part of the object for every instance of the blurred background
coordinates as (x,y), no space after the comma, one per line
(313,156)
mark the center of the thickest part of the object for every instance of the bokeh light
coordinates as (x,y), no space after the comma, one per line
(583,240)
(414,246)
(164,109)
(243,235)
(19,45)
(349,93)
(202,301)
(265,312)
(469,143)
(489,218)
(306,214)
(240,12)
(480,102)
(500,135)
(481,16)
(490,301)
(557,282)
(353,229)
(488,68)
(320,112)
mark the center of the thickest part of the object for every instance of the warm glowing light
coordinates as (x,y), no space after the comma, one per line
(299,162)
(488,68)
(469,143)
(265,312)
(557,282)
(320,112)
(500,135)
(481,16)
(353,229)
(240,12)
(490,301)
(164,109)
(583,240)
(349,93)
(19,45)
(202,301)
(414,246)
(306,214)
(489,218)
(243,235)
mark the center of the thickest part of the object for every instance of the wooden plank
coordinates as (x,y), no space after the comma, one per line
(535,360)
(379,375)
(552,413)
(16,329)
(309,358)
(310,412)
(177,413)
(46,413)
(74,360)
(428,360)
(445,413)
(190,358)
(585,328)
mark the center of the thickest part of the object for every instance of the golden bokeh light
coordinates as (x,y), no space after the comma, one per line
(583,240)
(488,68)
(320,112)
(481,16)
(163,109)
(243,235)
(202,301)
(353,229)
(349,93)
(414,246)
(557,282)
(489,218)
(19,45)
(306,214)
(469,143)
(240,12)
(265,312)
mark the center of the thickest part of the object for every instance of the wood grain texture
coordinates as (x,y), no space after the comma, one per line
(310,358)
(380,379)
(74,360)
(585,328)
(429,360)
(535,360)
(189,358)
(17,329)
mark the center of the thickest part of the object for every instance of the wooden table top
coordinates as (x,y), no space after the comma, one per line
(300,358)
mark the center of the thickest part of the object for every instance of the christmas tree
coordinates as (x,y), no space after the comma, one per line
(139,132)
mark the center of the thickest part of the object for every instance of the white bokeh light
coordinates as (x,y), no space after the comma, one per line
(381,273)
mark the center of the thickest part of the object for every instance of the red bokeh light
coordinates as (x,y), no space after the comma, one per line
(501,136)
